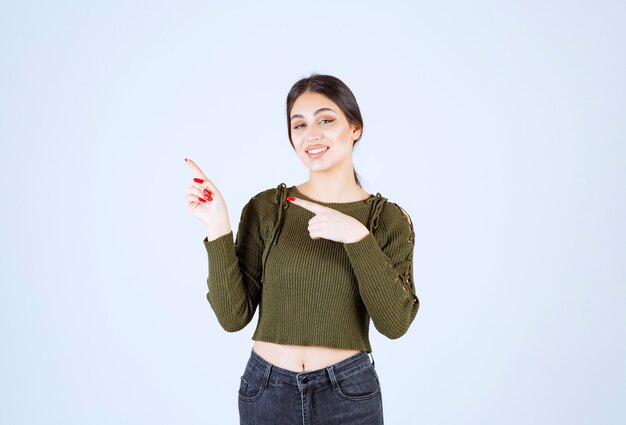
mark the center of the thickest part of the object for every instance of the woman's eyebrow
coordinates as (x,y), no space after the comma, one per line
(316,112)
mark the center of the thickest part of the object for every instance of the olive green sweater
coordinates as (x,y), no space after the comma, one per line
(314,291)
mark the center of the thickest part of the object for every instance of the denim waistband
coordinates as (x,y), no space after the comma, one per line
(319,378)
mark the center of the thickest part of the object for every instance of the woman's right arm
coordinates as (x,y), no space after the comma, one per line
(234,278)
(234,266)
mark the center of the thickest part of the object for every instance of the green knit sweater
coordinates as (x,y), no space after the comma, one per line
(314,292)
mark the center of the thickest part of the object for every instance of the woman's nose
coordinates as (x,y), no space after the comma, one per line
(314,134)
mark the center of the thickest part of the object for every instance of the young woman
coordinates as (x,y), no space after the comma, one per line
(319,259)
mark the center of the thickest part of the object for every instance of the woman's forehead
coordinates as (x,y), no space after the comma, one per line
(313,103)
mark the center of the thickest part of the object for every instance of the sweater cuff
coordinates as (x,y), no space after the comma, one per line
(366,249)
(220,248)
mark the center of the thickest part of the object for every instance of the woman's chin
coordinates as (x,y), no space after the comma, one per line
(317,167)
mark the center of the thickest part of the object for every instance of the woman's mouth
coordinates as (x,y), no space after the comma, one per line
(316,151)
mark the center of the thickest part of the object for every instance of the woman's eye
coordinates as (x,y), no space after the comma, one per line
(321,121)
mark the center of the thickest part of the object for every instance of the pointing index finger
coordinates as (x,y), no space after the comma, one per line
(307,205)
(196,170)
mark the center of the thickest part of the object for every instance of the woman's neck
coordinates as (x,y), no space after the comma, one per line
(336,186)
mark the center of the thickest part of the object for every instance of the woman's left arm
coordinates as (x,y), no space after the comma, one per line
(384,272)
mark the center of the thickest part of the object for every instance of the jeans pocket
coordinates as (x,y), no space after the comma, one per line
(251,386)
(361,385)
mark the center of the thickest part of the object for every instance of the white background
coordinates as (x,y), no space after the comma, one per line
(499,126)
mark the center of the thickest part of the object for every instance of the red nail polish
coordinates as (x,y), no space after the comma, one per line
(198,180)
(291,198)
(208,192)
(201,199)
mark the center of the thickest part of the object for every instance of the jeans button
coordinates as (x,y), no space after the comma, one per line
(305,379)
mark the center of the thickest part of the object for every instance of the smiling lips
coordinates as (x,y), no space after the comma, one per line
(316,151)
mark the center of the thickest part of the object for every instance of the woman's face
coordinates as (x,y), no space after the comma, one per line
(320,132)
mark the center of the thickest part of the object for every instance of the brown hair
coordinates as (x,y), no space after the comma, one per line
(334,89)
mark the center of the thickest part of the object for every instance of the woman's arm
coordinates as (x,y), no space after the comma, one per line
(234,276)
(383,265)
(385,273)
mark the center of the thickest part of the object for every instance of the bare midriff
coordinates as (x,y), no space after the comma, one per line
(299,358)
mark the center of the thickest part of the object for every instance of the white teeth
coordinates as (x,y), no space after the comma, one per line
(318,150)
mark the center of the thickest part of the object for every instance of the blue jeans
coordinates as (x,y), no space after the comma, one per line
(347,392)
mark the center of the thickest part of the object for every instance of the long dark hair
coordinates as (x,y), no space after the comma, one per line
(334,89)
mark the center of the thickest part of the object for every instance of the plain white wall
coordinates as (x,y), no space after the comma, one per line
(499,126)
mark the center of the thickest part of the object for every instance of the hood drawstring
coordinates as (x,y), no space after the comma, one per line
(280,199)
(378,202)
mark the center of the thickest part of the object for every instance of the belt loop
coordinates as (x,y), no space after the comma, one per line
(333,379)
(267,374)
(372,356)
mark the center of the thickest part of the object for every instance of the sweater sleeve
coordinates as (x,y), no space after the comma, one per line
(384,271)
(234,277)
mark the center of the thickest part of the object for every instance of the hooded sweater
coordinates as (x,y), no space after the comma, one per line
(314,291)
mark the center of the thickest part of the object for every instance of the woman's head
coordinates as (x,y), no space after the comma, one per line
(323,115)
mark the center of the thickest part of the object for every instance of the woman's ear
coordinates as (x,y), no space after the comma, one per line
(356,132)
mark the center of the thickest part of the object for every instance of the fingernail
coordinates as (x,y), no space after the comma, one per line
(208,192)
(185,159)
(198,180)
(201,199)
(291,198)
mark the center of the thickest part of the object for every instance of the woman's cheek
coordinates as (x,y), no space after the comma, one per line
(297,142)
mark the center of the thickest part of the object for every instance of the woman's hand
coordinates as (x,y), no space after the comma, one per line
(330,224)
(206,202)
